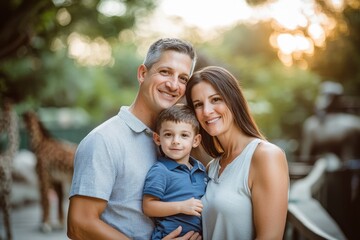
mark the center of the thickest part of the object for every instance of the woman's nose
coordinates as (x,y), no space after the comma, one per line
(207,109)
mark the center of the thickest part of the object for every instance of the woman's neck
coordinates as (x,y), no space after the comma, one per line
(233,144)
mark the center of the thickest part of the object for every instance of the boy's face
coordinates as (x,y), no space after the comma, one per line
(177,140)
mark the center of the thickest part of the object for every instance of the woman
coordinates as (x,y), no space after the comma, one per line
(247,195)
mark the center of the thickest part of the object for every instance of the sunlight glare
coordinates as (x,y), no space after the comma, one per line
(292,47)
(286,43)
(317,33)
(89,52)
(337,4)
(287,14)
(213,13)
(111,8)
(63,17)
(286,59)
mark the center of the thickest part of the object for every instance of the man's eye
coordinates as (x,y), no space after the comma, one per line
(164,72)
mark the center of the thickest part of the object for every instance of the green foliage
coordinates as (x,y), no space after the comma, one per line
(32,70)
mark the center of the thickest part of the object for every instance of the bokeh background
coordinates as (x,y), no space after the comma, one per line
(74,63)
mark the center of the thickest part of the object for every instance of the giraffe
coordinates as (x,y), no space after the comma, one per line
(54,166)
(9,126)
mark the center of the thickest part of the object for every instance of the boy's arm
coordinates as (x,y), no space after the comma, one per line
(153,207)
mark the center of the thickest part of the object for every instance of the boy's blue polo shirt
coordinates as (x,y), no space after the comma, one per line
(170,182)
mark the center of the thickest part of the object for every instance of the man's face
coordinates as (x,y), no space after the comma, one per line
(164,84)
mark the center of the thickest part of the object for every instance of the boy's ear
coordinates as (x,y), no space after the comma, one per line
(197,140)
(156,138)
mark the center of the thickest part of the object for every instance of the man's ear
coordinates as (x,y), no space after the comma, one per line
(197,140)
(142,70)
(156,138)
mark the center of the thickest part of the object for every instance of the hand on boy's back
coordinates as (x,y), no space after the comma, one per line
(190,235)
(192,206)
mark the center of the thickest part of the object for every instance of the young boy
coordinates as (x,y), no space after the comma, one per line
(175,184)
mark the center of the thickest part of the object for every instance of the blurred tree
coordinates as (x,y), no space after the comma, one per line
(39,39)
(340,59)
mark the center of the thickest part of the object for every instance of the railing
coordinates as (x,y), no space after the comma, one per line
(306,216)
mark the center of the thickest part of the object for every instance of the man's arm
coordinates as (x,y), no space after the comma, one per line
(188,236)
(84,220)
(153,207)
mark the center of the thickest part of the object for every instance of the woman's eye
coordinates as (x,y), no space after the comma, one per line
(184,79)
(216,99)
(196,105)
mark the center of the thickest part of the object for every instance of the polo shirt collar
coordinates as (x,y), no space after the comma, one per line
(133,122)
(171,164)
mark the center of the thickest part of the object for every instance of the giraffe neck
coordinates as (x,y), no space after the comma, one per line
(37,132)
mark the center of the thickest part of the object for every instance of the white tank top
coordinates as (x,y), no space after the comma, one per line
(227,212)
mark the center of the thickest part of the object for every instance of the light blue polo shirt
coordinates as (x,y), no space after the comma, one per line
(111,163)
(170,181)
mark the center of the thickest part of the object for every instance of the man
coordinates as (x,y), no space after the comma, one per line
(112,161)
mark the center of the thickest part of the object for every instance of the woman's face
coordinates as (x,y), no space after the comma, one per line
(211,110)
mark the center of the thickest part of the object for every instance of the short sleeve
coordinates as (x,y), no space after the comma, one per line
(94,169)
(156,180)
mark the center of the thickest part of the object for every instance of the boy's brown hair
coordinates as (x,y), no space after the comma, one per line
(178,113)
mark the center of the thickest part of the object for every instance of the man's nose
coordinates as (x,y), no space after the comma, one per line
(172,83)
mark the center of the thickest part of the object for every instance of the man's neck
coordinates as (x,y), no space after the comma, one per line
(144,114)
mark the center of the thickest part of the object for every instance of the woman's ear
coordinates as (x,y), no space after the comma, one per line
(156,138)
(197,140)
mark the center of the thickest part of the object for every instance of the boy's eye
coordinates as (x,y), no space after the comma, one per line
(167,134)
(184,135)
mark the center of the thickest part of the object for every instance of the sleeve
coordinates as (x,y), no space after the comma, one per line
(155,181)
(94,169)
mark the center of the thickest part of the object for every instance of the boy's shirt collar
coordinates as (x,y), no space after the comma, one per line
(172,164)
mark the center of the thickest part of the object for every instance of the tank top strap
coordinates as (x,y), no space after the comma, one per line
(249,152)
(243,165)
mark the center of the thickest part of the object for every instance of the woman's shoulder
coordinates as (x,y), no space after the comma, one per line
(267,152)
(268,148)
(268,162)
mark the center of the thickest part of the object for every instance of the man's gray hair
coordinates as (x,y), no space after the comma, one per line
(166,44)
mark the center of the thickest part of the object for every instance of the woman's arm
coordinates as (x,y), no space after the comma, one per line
(269,184)
(153,207)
